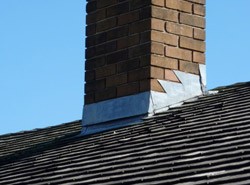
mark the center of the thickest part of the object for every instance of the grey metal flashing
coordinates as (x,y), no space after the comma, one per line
(110,125)
(115,113)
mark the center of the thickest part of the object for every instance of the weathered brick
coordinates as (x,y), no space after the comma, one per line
(128,65)
(165,38)
(118,9)
(106,24)
(105,71)
(178,53)
(170,75)
(164,62)
(126,42)
(179,5)
(105,3)
(199,57)
(157,24)
(192,44)
(199,34)
(140,26)
(128,17)
(117,56)
(199,10)
(117,32)
(156,72)
(192,20)
(189,67)
(113,81)
(139,74)
(95,85)
(179,29)
(139,50)
(128,89)
(106,94)
(164,14)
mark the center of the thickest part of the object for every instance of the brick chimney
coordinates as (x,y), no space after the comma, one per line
(142,56)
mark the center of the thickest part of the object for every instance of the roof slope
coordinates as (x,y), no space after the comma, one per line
(17,142)
(206,141)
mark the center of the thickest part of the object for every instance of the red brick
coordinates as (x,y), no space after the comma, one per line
(199,34)
(95,63)
(189,67)
(164,62)
(106,94)
(199,57)
(192,20)
(135,4)
(170,75)
(96,16)
(116,80)
(164,14)
(89,98)
(156,72)
(128,17)
(89,76)
(117,56)
(178,53)
(158,2)
(105,71)
(165,38)
(179,5)
(140,26)
(198,1)
(128,65)
(179,29)
(192,44)
(106,24)
(95,85)
(91,29)
(156,86)
(91,6)
(117,32)
(118,9)
(157,48)
(105,3)
(150,84)
(157,24)
(128,89)
(138,74)
(126,42)
(139,50)
(199,10)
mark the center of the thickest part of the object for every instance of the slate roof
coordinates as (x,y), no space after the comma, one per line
(204,141)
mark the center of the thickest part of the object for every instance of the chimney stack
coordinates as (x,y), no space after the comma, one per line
(142,56)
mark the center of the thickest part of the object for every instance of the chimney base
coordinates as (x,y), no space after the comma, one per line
(127,110)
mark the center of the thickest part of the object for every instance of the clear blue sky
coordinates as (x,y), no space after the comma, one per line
(42,57)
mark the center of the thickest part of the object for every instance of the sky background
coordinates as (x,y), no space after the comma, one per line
(42,57)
